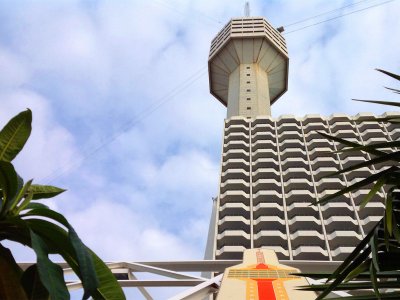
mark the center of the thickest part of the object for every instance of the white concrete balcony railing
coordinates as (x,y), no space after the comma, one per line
(265,153)
(233,236)
(265,163)
(234,223)
(261,173)
(280,251)
(234,196)
(295,172)
(291,143)
(336,208)
(236,145)
(235,163)
(297,184)
(235,185)
(345,223)
(369,222)
(342,126)
(291,152)
(284,124)
(304,223)
(236,120)
(261,128)
(236,136)
(321,172)
(267,219)
(313,118)
(235,174)
(230,252)
(266,184)
(338,117)
(290,134)
(296,195)
(294,162)
(235,153)
(307,237)
(263,135)
(344,238)
(371,209)
(360,195)
(266,210)
(310,253)
(324,161)
(308,210)
(331,183)
(263,144)
(271,238)
(269,223)
(361,173)
(320,152)
(264,196)
(262,121)
(237,128)
(234,209)
(341,253)
(318,143)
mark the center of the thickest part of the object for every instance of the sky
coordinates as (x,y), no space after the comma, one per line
(122,114)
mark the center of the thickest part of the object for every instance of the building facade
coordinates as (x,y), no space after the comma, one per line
(273,168)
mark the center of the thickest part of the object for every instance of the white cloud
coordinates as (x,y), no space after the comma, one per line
(94,72)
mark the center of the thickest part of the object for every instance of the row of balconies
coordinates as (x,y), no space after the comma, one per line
(301,253)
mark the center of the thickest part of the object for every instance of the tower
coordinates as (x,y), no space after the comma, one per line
(272,169)
(248,67)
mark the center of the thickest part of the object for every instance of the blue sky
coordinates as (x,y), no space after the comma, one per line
(123,117)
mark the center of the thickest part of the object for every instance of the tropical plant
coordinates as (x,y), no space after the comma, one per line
(373,268)
(26,221)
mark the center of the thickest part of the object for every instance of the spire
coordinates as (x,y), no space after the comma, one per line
(247,9)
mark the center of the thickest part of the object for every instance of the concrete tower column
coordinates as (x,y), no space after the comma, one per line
(248,93)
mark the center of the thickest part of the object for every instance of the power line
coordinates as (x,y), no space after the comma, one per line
(185,84)
(324,13)
(340,16)
(128,125)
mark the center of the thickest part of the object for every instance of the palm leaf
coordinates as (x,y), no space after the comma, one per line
(395,76)
(390,103)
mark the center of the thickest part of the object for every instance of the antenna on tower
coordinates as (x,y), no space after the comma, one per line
(247,9)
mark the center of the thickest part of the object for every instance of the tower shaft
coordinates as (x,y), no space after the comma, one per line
(248,93)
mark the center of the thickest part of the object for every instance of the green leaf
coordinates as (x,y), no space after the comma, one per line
(393,90)
(8,185)
(374,281)
(44,191)
(83,256)
(51,274)
(345,264)
(109,288)
(20,195)
(36,205)
(32,284)
(10,274)
(57,240)
(391,103)
(395,76)
(342,276)
(377,186)
(347,143)
(14,135)
(369,147)
(394,156)
(388,213)
(355,186)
